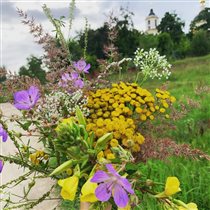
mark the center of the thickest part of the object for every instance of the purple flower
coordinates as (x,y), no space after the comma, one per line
(74,75)
(65,77)
(26,99)
(1,165)
(82,66)
(3,134)
(79,83)
(62,84)
(112,183)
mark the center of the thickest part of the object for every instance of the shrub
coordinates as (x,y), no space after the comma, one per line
(200,43)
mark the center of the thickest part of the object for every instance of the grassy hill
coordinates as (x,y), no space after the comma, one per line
(190,84)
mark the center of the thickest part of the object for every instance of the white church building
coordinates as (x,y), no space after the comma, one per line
(152,23)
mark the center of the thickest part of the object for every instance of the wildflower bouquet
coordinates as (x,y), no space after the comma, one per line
(89,139)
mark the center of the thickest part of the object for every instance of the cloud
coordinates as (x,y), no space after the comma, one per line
(8,11)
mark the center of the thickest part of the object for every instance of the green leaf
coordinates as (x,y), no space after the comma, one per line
(80,116)
(131,168)
(102,141)
(26,125)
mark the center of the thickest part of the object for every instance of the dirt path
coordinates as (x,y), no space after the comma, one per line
(12,171)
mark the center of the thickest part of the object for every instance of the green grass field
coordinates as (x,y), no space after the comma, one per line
(190,84)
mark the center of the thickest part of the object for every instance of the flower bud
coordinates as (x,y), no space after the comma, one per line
(149,182)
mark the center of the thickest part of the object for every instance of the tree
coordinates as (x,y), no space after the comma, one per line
(201,21)
(173,25)
(200,43)
(75,49)
(128,37)
(182,49)
(33,69)
(96,41)
(147,41)
(165,44)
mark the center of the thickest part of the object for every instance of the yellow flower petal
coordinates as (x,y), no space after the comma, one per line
(172,186)
(189,206)
(61,182)
(69,187)
(128,207)
(88,192)
(192,206)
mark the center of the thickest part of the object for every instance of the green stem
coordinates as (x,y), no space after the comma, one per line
(23,164)
(12,137)
(120,73)
(18,180)
(31,204)
(137,77)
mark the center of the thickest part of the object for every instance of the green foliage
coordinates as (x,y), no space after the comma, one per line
(96,41)
(128,37)
(173,25)
(182,49)
(92,59)
(147,41)
(127,41)
(200,43)
(165,44)
(194,182)
(201,21)
(33,69)
(75,49)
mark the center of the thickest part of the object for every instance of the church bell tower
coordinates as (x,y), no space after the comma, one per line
(151,23)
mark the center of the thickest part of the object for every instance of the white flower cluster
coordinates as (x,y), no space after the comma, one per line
(152,64)
(62,104)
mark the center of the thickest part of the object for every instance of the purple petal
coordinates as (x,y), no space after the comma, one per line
(1,165)
(22,96)
(87,68)
(65,77)
(112,170)
(100,176)
(22,106)
(34,95)
(75,64)
(81,65)
(62,84)
(4,134)
(74,75)
(22,100)
(126,184)
(120,196)
(79,83)
(102,192)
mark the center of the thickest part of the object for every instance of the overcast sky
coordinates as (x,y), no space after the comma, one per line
(17,43)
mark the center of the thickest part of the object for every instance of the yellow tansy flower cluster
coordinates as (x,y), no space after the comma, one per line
(124,133)
(37,157)
(119,109)
(164,99)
